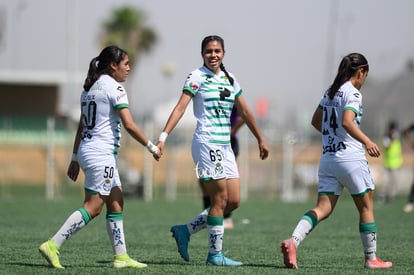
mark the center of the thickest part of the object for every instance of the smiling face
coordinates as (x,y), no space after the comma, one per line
(121,70)
(213,54)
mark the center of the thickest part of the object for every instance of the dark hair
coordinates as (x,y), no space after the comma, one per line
(101,64)
(348,68)
(392,125)
(217,38)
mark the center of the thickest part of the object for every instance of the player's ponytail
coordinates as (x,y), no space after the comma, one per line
(92,74)
(102,64)
(347,68)
(231,80)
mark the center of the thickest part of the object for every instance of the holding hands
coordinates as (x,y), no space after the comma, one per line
(156,150)
(161,143)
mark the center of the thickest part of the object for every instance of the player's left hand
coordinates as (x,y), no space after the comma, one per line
(264,150)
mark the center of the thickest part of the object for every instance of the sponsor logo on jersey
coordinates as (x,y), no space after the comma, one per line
(331,103)
(333,148)
(120,96)
(89,97)
(224,92)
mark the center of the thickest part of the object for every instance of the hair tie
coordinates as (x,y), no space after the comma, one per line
(97,61)
(359,66)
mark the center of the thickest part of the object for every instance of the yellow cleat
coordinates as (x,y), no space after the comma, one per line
(124,261)
(50,251)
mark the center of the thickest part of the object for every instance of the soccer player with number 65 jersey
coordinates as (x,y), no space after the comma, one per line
(214,92)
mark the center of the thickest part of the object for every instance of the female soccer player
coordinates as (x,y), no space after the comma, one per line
(104,105)
(407,132)
(235,123)
(343,162)
(214,91)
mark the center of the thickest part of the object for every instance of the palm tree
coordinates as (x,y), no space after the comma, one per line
(126,29)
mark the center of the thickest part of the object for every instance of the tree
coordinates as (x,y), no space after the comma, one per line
(126,29)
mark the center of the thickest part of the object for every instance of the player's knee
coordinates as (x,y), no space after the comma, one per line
(322,213)
(232,205)
(93,211)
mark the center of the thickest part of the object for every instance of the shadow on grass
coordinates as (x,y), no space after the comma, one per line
(27,264)
(197,264)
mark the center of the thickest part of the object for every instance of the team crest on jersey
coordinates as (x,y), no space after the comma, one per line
(194,86)
(219,169)
(107,185)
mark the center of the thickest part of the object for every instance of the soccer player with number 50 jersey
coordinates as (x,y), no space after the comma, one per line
(104,108)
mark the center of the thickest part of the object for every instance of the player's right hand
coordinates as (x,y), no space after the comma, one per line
(73,170)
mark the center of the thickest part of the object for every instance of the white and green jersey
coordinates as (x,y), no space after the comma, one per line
(337,144)
(101,123)
(213,100)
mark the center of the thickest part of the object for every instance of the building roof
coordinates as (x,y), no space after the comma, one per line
(40,77)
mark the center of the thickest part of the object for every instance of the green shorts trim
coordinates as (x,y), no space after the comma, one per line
(90,191)
(326,193)
(362,194)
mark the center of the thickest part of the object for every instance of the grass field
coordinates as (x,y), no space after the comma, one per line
(27,220)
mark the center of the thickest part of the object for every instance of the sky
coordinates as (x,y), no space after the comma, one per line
(285,51)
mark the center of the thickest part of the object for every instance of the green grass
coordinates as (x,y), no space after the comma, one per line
(333,248)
